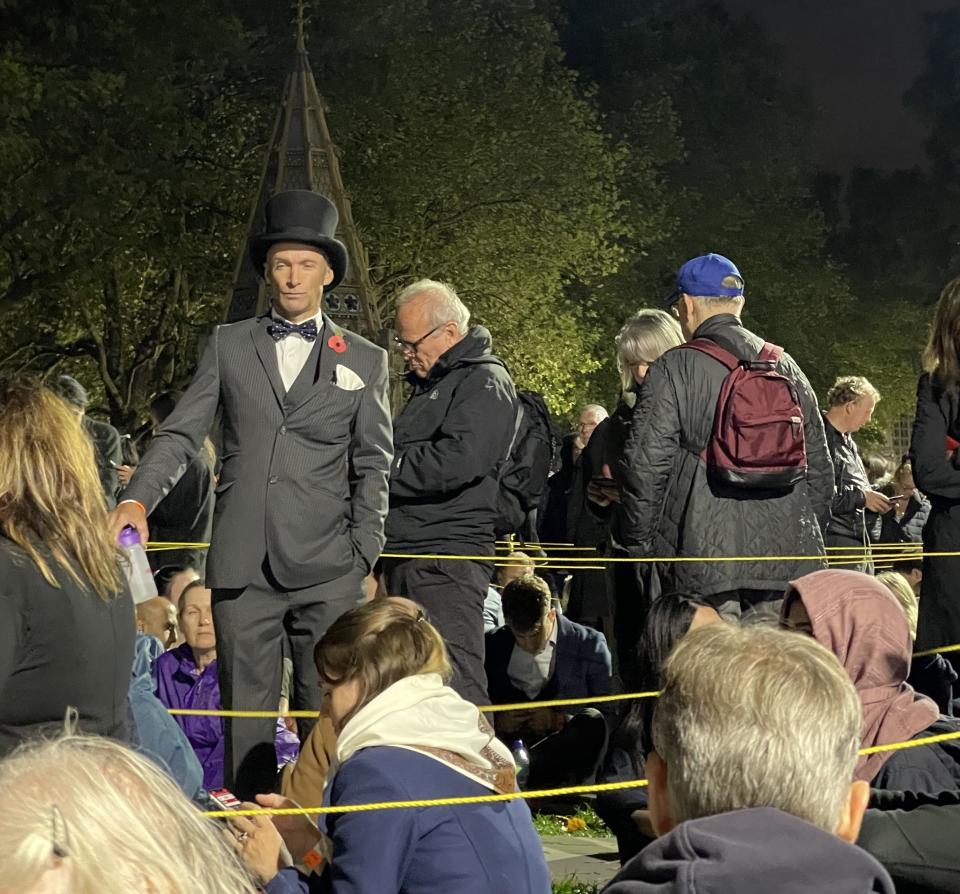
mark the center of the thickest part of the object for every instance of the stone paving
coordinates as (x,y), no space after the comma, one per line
(593,861)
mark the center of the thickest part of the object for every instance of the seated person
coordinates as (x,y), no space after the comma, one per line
(930,675)
(157,617)
(541,655)
(670,618)
(915,837)
(857,619)
(171,580)
(187,678)
(402,734)
(904,523)
(520,565)
(155,732)
(755,741)
(81,814)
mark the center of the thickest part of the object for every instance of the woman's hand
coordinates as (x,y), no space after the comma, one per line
(257,842)
(299,834)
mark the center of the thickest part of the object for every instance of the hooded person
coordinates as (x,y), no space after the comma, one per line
(755,738)
(860,622)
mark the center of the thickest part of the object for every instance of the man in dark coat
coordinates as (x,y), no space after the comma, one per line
(670,508)
(185,515)
(541,655)
(452,438)
(106,439)
(302,495)
(851,403)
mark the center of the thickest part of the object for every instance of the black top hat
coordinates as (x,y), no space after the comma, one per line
(300,215)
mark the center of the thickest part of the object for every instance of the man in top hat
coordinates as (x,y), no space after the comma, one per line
(671,507)
(302,495)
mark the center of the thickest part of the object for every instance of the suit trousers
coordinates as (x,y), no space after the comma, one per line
(451,592)
(252,625)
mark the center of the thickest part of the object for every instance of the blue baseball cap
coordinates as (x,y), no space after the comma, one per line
(704,276)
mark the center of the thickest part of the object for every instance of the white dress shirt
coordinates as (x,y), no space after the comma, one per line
(293,351)
(530,673)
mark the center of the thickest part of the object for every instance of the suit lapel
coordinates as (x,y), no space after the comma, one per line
(318,371)
(267,351)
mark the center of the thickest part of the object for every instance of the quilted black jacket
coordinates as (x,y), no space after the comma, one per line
(670,509)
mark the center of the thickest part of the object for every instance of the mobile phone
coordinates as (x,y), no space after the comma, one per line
(602,481)
(226,799)
(894,499)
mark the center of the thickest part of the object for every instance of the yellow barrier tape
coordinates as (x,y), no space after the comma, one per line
(518,706)
(511,796)
(881,553)
(433,802)
(942,649)
(912,743)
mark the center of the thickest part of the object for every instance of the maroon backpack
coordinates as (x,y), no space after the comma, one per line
(757,440)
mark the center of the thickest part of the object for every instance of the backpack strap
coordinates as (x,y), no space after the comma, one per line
(712,349)
(770,353)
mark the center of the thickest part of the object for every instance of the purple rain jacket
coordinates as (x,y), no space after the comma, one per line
(179,685)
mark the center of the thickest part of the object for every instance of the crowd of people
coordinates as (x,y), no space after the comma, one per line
(709,497)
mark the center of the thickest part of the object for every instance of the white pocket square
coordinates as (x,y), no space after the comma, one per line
(347,379)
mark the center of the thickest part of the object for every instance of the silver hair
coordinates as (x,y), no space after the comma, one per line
(599,413)
(642,339)
(756,717)
(121,823)
(445,306)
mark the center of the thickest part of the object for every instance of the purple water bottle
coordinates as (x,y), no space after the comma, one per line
(136,566)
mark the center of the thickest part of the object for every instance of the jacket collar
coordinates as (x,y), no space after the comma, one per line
(719,323)
(475,347)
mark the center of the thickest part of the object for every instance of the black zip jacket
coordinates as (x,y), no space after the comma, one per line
(451,439)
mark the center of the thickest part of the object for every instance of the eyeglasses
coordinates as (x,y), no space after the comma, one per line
(412,347)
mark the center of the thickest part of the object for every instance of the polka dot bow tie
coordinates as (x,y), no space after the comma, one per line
(280,329)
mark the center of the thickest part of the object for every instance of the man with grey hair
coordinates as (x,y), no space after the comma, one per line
(452,439)
(673,506)
(851,402)
(756,736)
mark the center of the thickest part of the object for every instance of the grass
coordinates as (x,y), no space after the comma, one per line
(584,823)
(570,885)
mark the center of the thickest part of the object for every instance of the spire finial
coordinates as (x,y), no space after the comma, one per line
(301,46)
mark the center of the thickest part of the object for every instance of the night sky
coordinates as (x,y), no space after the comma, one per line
(856,57)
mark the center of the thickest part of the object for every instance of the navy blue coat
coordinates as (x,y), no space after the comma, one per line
(468,849)
(583,665)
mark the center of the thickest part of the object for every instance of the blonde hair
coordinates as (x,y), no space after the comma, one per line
(756,717)
(941,357)
(378,644)
(848,389)
(643,338)
(121,824)
(900,587)
(50,492)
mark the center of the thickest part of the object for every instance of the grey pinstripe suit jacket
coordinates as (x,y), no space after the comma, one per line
(304,478)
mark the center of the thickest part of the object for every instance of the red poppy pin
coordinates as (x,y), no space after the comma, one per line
(337,344)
